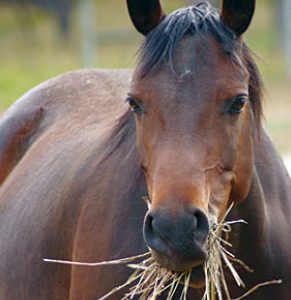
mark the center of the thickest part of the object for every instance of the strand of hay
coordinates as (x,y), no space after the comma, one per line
(149,279)
(98,264)
(258,286)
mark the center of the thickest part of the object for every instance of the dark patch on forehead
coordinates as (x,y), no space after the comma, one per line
(201,20)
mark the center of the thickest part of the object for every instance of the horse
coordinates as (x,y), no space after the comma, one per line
(80,151)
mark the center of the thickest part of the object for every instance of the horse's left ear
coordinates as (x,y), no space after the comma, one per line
(238,14)
(145,14)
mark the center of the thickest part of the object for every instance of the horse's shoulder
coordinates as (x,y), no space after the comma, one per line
(77,98)
(17,129)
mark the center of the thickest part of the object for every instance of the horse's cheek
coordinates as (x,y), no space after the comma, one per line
(220,191)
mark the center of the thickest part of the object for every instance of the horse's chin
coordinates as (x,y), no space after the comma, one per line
(197,279)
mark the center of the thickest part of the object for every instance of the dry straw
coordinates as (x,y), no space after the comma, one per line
(149,279)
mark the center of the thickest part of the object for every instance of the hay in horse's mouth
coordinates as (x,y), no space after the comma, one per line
(150,279)
(155,279)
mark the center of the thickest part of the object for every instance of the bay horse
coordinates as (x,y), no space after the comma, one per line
(80,151)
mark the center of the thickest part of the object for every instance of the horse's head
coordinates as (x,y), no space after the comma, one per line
(195,100)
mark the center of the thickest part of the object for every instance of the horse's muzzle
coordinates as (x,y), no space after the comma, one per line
(177,241)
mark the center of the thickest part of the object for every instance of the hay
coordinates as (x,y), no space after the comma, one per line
(154,280)
(149,279)
(98,264)
(218,256)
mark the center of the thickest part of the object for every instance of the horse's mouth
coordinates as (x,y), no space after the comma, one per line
(197,279)
(175,263)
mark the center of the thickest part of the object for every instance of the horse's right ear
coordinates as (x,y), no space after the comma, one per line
(145,14)
(237,14)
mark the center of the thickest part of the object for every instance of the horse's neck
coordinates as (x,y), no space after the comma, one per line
(267,210)
(273,179)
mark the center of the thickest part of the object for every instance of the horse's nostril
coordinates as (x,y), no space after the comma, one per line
(195,222)
(152,236)
(200,224)
(149,225)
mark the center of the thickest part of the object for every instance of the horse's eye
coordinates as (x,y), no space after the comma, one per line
(237,105)
(134,105)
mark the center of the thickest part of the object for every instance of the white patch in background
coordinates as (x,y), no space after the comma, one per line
(287,161)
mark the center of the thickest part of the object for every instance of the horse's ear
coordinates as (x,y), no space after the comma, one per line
(145,14)
(238,14)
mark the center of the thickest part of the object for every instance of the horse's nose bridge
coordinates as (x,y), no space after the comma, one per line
(178,184)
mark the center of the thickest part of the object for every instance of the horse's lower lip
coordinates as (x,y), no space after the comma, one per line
(169,262)
(197,279)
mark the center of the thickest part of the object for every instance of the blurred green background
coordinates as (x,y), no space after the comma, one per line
(33,49)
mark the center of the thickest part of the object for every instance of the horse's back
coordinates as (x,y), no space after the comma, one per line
(47,140)
(74,100)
